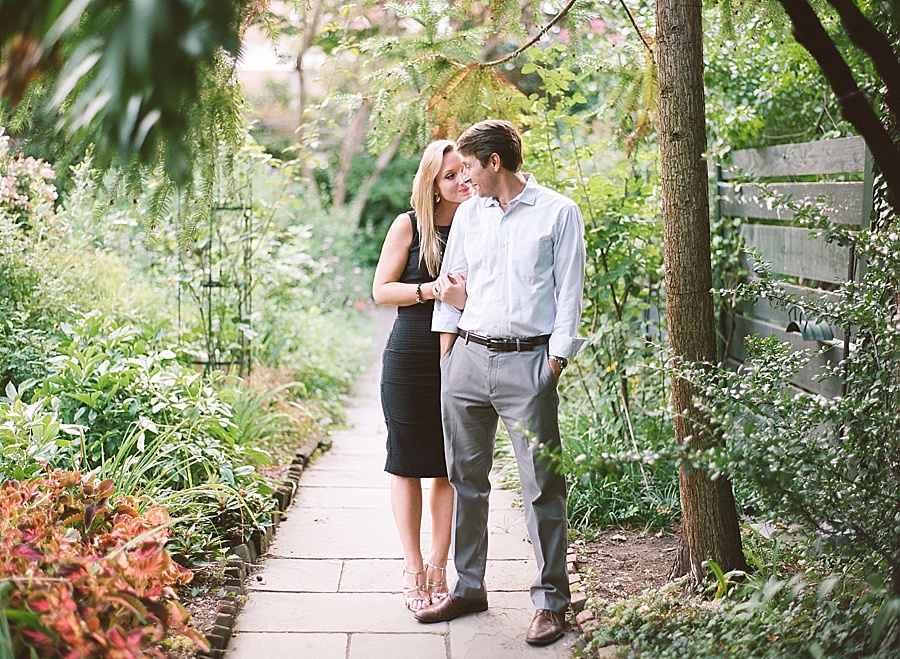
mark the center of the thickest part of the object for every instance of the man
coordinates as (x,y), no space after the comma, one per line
(519,247)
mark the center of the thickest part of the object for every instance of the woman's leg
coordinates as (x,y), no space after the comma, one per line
(406,503)
(441,504)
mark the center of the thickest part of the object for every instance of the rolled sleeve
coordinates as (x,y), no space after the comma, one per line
(445,318)
(568,271)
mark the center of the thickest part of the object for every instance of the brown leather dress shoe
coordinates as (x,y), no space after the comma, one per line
(546,627)
(451,607)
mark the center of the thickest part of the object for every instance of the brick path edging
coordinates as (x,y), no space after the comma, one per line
(585,618)
(244,555)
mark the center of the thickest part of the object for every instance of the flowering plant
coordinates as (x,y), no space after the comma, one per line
(25,190)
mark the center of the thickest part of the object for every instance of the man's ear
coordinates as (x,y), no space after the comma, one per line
(495,162)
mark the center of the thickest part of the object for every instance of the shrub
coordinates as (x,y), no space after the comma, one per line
(820,464)
(83,572)
(119,405)
(32,437)
(112,380)
(810,606)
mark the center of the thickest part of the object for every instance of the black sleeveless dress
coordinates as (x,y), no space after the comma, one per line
(411,381)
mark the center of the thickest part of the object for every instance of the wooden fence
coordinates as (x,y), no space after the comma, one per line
(832,176)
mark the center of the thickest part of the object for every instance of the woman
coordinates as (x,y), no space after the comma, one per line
(411,381)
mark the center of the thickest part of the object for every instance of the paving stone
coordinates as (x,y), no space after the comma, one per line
(507,520)
(338,533)
(371,576)
(326,612)
(383,576)
(507,545)
(371,444)
(420,646)
(510,575)
(510,499)
(287,646)
(499,632)
(318,498)
(298,575)
(346,478)
(335,461)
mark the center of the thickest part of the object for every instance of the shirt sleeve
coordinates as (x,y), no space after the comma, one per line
(568,272)
(446,317)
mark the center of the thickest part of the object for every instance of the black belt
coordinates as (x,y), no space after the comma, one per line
(505,345)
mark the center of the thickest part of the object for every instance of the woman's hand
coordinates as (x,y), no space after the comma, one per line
(450,288)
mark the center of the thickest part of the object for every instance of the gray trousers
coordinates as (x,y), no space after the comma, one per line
(478,387)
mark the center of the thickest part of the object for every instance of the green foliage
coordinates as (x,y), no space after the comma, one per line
(814,606)
(115,404)
(763,88)
(45,273)
(31,437)
(112,380)
(324,350)
(387,200)
(816,463)
(84,573)
(23,350)
(133,76)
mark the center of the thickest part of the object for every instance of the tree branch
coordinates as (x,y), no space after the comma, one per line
(535,39)
(855,106)
(636,28)
(876,45)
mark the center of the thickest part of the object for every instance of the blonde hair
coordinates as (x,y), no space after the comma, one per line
(424,190)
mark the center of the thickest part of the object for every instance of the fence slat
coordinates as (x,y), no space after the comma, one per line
(838,156)
(793,252)
(842,200)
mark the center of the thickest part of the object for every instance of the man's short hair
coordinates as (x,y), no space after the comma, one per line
(492,136)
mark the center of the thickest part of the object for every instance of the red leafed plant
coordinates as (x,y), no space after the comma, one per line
(83,574)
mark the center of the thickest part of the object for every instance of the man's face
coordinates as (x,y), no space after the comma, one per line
(481,178)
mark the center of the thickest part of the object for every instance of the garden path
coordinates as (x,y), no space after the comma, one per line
(329,586)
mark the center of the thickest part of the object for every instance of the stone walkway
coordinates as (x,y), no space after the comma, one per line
(329,587)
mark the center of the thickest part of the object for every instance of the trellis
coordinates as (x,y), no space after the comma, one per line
(223,249)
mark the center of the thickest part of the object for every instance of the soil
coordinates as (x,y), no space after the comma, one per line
(201,599)
(621,564)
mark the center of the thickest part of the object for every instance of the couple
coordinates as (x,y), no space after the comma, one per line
(502,317)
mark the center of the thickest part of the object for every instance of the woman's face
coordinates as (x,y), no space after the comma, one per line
(451,184)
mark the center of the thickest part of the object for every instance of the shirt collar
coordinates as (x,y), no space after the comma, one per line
(527,196)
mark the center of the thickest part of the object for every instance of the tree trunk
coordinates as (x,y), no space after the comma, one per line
(353,143)
(310,28)
(710,527)
(384,159)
